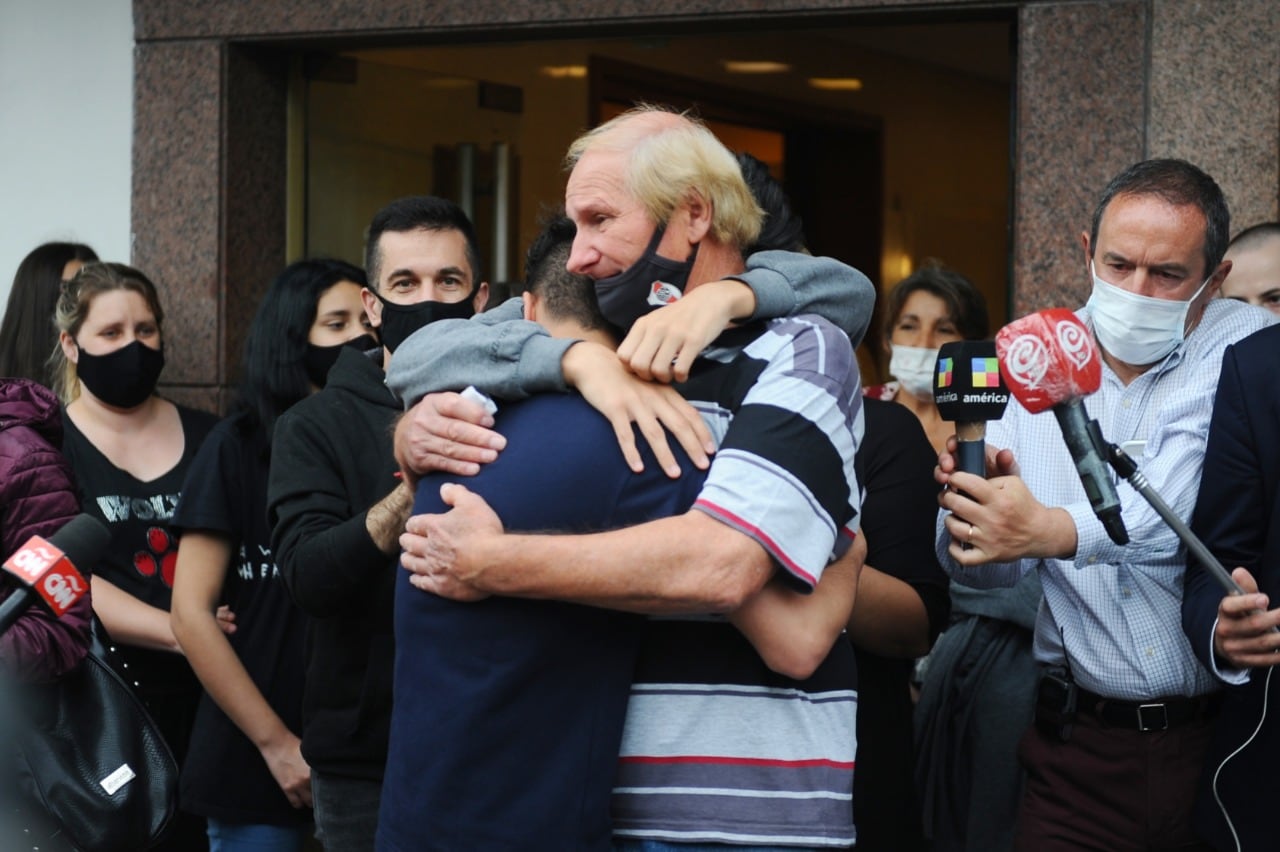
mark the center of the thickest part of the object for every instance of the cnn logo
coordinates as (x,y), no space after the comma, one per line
(34,559)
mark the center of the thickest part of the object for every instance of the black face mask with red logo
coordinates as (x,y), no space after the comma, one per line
(648,284)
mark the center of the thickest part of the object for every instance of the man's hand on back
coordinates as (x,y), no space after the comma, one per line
(447,433)
(440,550)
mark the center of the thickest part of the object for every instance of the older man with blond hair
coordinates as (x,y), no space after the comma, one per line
(739,731)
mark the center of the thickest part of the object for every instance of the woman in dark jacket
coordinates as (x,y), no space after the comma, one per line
(37,496)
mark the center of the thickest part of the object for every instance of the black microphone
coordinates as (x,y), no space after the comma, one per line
(45,570)
(970,391)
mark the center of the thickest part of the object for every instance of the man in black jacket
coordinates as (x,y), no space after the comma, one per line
(1238,517)
(337,511)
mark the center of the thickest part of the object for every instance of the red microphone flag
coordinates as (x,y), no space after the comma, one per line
(48,572)
(1048,357)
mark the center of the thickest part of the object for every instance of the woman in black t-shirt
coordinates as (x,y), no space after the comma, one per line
(244,771)
(130,449)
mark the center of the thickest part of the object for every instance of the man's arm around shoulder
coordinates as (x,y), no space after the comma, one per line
(689,563)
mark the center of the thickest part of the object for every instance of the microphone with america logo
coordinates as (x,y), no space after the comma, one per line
(969,392)
(45,570)
(1049,360)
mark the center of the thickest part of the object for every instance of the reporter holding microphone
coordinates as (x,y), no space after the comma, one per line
(1124,708)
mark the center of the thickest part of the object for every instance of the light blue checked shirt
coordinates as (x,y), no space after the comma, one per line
(1118,608)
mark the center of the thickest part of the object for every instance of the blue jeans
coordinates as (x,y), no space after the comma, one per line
(236,837)
(664,846)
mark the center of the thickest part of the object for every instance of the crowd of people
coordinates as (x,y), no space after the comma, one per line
(633,561)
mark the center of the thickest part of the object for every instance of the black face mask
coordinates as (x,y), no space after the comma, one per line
(124,378)
(319,360)
(648,284)
(400,321)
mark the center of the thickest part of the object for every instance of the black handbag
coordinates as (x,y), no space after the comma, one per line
(91,762)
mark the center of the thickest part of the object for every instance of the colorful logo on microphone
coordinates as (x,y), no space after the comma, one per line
(946,367)
(986,372)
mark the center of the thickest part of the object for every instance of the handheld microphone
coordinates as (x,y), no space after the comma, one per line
(1050,361)
(45,570)
(969,391)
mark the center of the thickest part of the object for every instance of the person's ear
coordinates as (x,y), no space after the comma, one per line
(1084,244)
(481,298)
(699,212)
(1219,275)
(530,306)
(69,348)
(372,307)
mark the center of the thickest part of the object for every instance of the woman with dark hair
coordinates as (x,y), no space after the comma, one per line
(244,770)
(932,306)
(130,449)
(27,335)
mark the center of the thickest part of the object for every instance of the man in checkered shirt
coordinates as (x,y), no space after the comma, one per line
(1124,707)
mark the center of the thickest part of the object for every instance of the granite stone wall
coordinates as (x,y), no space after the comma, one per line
(1098,86)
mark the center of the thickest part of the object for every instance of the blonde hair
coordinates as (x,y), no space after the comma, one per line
(72,309)
(673,157)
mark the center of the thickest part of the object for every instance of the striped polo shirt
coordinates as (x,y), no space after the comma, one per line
(716,747)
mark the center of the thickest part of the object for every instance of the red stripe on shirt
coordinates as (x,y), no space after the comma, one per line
(769,543)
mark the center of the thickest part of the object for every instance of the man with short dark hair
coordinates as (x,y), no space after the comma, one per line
(1124,707)
(337,511)
(510,706)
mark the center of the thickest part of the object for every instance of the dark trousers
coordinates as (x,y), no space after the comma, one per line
(1110,789)
(346,811)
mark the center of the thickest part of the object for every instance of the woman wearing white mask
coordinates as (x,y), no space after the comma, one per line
(932,306)
(979,681)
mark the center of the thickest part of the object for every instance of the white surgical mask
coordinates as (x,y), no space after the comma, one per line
(913,367)
(1138,330)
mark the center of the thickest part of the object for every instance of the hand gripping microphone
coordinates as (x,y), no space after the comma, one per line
(45,570)
(1049,360)
(969,391)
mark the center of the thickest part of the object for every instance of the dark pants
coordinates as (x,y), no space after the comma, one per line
(346,811)
(1110,789)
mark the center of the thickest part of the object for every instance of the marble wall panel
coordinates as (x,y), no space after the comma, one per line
(1081,99)
(177,198)
(1215,97)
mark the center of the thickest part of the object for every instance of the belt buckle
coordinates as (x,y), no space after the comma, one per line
(1158,721)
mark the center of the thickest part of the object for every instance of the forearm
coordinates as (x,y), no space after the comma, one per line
(324,564)
(131,621)
(224,677)
(501,354)
(685,564)
(889,618)
(793,633)
(385,519)
(788,283)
